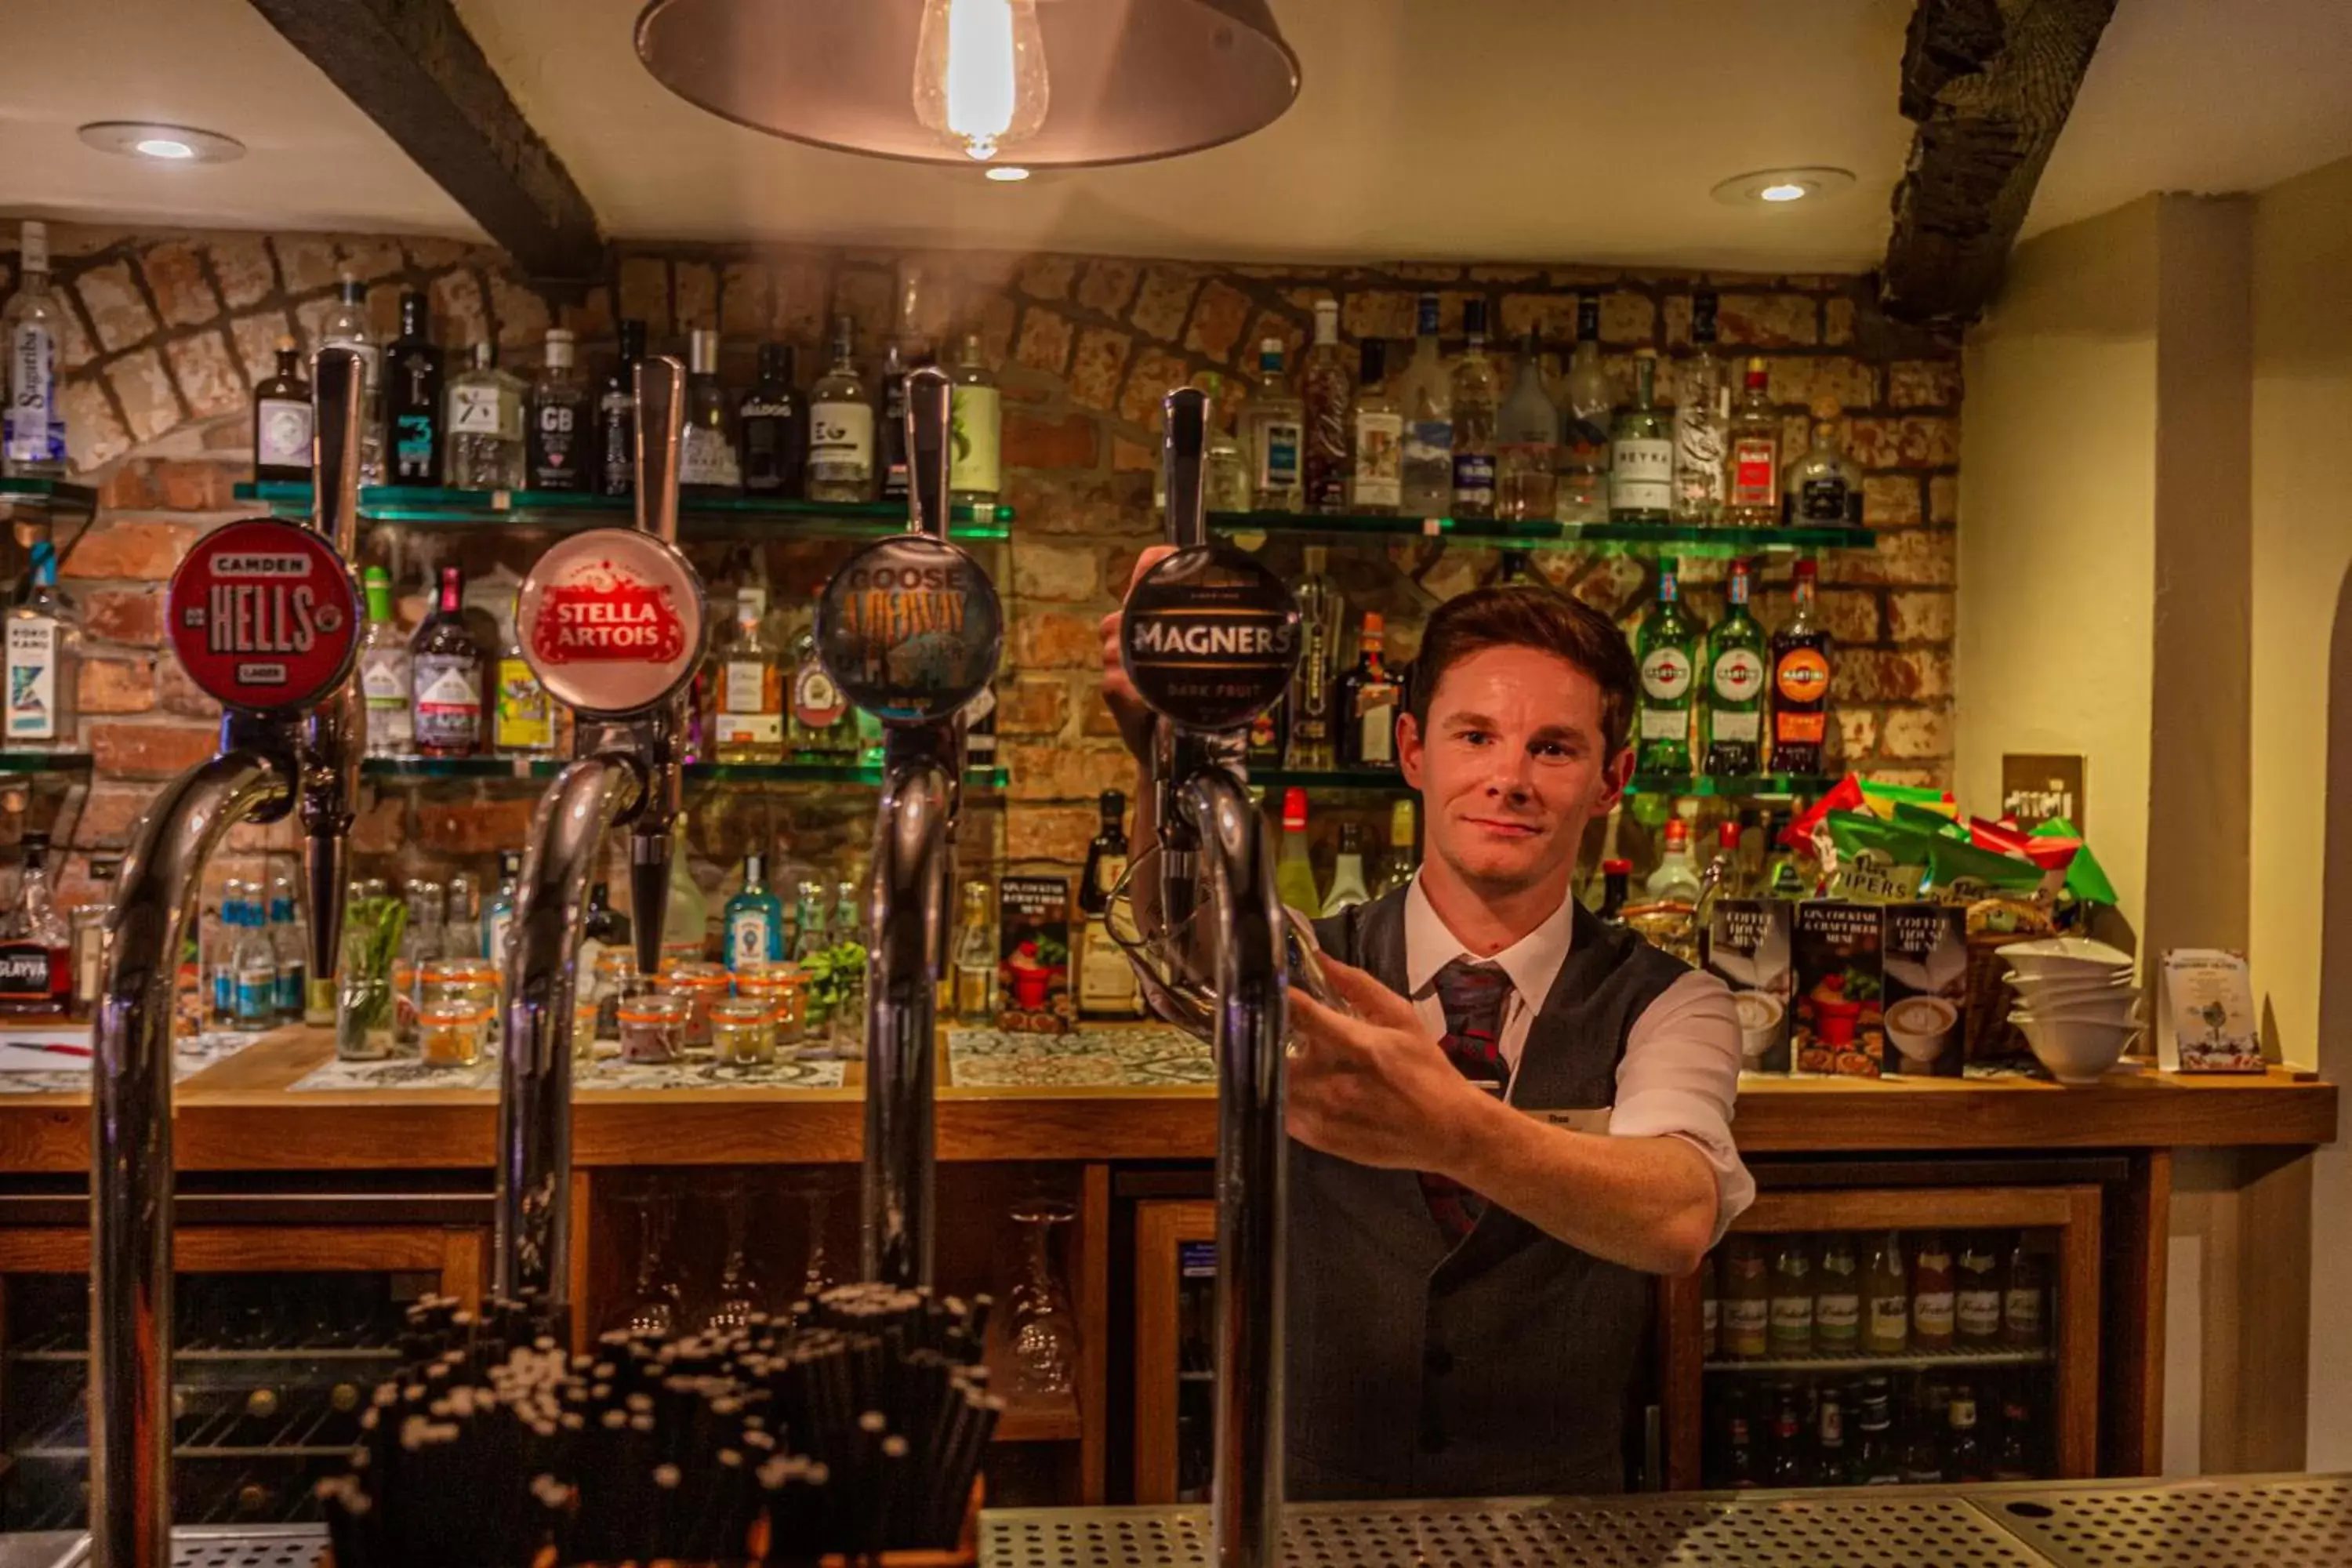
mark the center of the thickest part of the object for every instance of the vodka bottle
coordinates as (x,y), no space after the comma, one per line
(1426,393)
(346,327)
(1473,419)
(33,424)
(1273,432)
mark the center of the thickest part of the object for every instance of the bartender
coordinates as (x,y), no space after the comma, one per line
(1528,1113)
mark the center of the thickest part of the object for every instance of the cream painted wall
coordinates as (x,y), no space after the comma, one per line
(2058,463)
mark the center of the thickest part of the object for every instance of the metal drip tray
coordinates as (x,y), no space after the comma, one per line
(198,1546)
(2260,1521)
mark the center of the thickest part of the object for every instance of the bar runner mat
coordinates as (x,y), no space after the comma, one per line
(607,1073)
(1098,1056)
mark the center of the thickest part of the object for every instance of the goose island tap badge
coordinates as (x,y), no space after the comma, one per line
(1211,636)
(910,629)
(611,620)
(263,616)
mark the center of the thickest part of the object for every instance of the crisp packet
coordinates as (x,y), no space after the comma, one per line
(1870,861)
(2086,878)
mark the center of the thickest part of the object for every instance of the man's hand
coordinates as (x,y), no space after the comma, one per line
(1376,1088)
(1119,692)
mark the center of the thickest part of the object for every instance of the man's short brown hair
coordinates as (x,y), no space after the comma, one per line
(1525,615)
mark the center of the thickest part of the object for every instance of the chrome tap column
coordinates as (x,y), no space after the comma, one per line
(1210,637)
(265,618)
(613,623)
(910,629)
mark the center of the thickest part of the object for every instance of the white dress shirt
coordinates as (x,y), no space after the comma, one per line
(1681,1069)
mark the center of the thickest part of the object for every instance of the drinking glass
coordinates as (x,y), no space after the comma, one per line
(817,1275)
(653,1305)
(1044,1328)
(740,1290)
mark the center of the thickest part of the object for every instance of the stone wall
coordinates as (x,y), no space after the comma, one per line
(168,332)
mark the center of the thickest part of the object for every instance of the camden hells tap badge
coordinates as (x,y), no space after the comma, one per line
(910,629)
(1210,637)
(263,616)
(611,620)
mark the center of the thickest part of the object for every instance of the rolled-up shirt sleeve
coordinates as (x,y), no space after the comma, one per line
(1679,1078)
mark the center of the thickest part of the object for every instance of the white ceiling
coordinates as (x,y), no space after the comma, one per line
(313,161)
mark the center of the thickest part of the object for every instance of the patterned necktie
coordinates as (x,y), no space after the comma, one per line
(1474,998)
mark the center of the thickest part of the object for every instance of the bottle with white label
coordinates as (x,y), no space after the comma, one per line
(841,426)
(706,459)
(346,327)
(976,430)
(32,424)
(1642,452)
(445,676)
(822,728)
(44,649)
(1736,650)
(755,917)
(1425,390)
(1366,699)
(485,426)
(1665,645)
(1375,435)
(281,422)
(1274,433)
(383,672)
(751,717)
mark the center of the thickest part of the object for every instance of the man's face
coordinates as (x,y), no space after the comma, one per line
(1511,767)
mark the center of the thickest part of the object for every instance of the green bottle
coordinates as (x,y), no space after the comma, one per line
(1735,686)
(1667,647)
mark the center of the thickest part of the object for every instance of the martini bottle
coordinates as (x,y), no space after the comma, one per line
(1666,647)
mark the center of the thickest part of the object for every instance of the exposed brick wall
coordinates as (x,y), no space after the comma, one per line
(168,332)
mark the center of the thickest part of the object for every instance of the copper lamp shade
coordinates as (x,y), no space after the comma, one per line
(1130,80)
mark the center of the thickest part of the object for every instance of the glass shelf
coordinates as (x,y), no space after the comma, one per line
(44,761)
(1764,786)
(48,495)
(1628,538)
(696,773)
(718,516)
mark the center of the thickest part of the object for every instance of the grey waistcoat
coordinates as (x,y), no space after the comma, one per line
(1501,1367)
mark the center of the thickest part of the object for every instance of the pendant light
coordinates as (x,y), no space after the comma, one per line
(1050,83)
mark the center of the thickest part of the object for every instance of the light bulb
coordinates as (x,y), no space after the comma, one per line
(164,147)
(1787,191)
(980,73)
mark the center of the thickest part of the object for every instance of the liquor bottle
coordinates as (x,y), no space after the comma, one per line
(412,399)
(557,451)
(1526,442)
(523,718)
(976,433)
(1831,1466)
(1427,393)
(616,419)
(36,944)
(281,422)
(1616,877)
(1675,878)
(603,929)
(1699,419)
(1837,1297)
(255,966)
(485,425)
(1322,611)
(2023,1323)
(446,677)
(822,727)
(292,940)
(1666,644)
(44,659)
(1735,685)
(1401,859)
(1965,1458)
(890,432)
(1273,430)
(773,429)
(1787,1467)
(1921,1456)
(1746,1295)
(1976,1293)
(1875,1464)
(706,457)
(1823,488)
(1931,1294)
(1473,418)
(1269,735)
(1800,684)
(754,918)
(1106,985)
(1225,467)
(1324,392)
(500,918)
(1347,886)
(33,423)
(347,326)
(1365,701)
(1886,1299)
(1742,1470)
(810,936)
(975,959)
(1752,473)
(1642,452)
(1376,435)
(2012,1455)
(384,672)
(841,426)
(1294,867)
(1584,440)
(461,919)
(1791,1322)
(751,717)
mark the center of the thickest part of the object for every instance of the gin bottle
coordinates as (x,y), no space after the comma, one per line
(1273,429)
(976,429)
(1584,444)
(1699,419)
(1426,393)
(485,425)
(1642,452)
(841,426)
(281,422)
(346,327)
(43,652)
(809,934)
(33,424)
(754,918)
(562,435)
(705,462)
(412,399)
(384,673)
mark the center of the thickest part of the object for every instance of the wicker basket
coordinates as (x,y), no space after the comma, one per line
(1992,1041)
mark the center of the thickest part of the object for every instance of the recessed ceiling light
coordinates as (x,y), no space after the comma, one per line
(1778,188)
(1006,173)
(162,143)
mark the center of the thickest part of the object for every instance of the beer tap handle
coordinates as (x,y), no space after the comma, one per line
(1183,453)
(333,733)
(930,397)
(660,754)
(661,417)
(338,402)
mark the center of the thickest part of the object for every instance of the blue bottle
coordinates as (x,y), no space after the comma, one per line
(755,917)
(502,907)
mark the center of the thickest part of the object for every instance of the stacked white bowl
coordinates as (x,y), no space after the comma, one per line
(2075,1002)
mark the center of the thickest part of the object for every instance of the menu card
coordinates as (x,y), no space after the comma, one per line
(2205,1019)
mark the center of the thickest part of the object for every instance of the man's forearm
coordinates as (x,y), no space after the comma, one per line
(1646,1203)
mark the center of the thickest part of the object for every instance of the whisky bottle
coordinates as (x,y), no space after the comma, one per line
(1666,646)
(1735,685)
(412,398)
(1800,684)
(1107,985)
(281,422)
(1365,701)
(751,717)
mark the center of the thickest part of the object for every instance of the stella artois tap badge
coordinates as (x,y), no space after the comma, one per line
(612,621)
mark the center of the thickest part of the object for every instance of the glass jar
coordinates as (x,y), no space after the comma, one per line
(449,1033)
(653,1028)
(743,1032)
(584,1029)
(783,987)
(700,984)
(617,981)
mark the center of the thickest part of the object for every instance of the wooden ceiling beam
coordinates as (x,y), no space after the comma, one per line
(1990,84)
(411,68)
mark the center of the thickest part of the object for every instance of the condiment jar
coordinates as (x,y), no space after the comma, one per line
(473,981)
(784,988)
(617,980)
(743,1032)
(449,1033)
(584,1029)
(700,984)
(653,1028)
